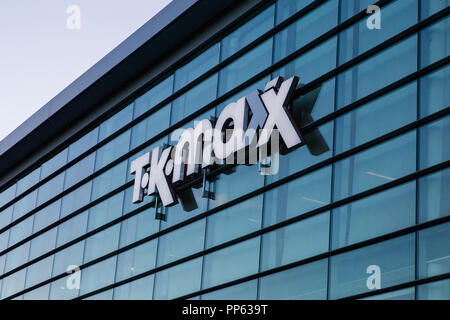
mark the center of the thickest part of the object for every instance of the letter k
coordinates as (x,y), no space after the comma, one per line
(158,181)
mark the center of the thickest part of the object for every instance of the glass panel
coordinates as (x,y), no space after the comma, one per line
(294,198)
(198,66)
(105,211)
(428,8)
(6,216)
(243,291)
(17,257)
(7,195)
(141,289)
(153,96)
(245,67)
(105,295)
(102,243)
(138,227)
(434,93)
(245,34)
(287,8)
(233,222)
(242,180)
(382,213)
(21,230)
(72,229)
(83,144)
(179,280)
(110,180)
(433,196)
(435,42)
(434,146)
(76,199)
(117,121)
(376,166)
(231,263)
(25,205)
(350,8)
(396,17)
(39,272)
(376,118)
(439,290)
(50,189)
(79,171)
(305,282)
(136,261)
(54,163)
(181,242)
(386,67)
(13,283)
(434,251)
(312,64)
(113,150)
(303,239)
(193,100)
(150,126)
(306,29)
(98,275)
(27,182)
(43,244)
(392,262)
(40,293)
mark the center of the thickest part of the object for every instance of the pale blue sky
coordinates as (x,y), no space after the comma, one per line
(40,55)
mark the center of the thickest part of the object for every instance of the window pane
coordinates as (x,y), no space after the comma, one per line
(306,29)
(117,121)
(13,283)
(303,239)
(39,272)
(17,257)
(79,171)
(21,230)
(433,195)
(350,272)
(243,291)
(6,216)
(101,243)
(312,64)
(27,182)
(305,282)
(434,251)
(98,275)
(112,150)
(7,195)
(439,290)
(110,180)
(248,32)
(403,294)
(198,66)
(154,96)
(43,243)
(287,8)
(242,180)
(304,194)
(357,39)
(150,126)
(377,72)
(434,93)
(382,213)
(72,229)
(54,163)
(376,166)
(233,222)
(138,227)
(141,289)
(136,261)
(376,118)
(181,242)
(179,280)
(434,146)
(428,8)
(196,98)
(245,67)
(435,42)
(231,263)
(25,205)
(350,8)
(50,189)
(105,212)
(83,144)
(76,199)
(40,293)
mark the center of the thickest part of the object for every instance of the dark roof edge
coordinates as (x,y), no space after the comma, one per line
(145,33)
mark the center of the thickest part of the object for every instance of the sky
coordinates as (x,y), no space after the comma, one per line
(46,44)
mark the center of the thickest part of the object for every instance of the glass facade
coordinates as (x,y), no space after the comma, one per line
(369,213)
